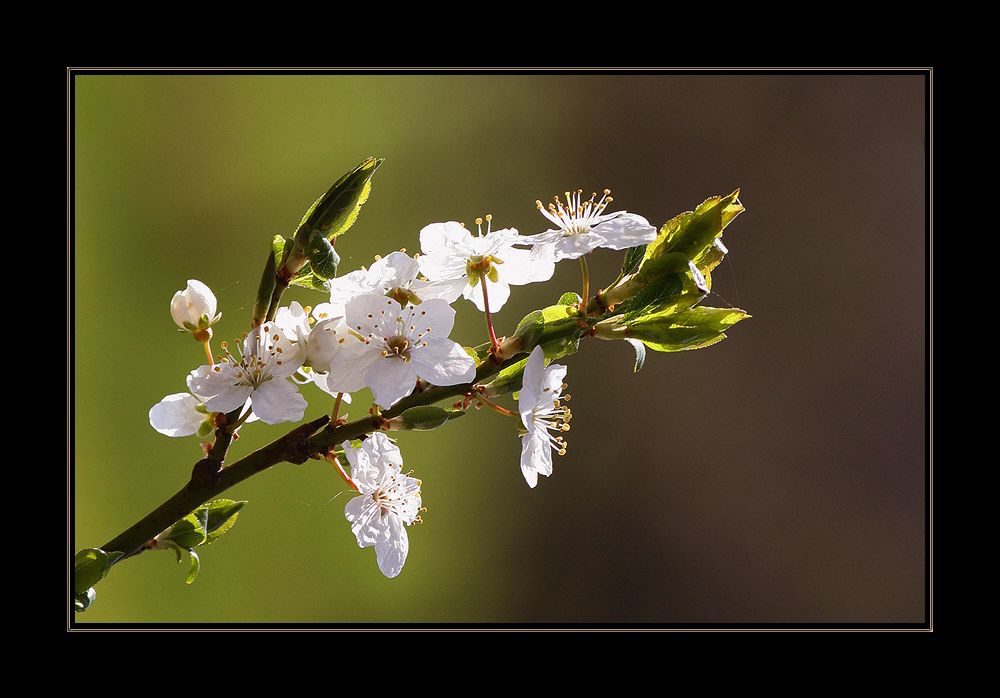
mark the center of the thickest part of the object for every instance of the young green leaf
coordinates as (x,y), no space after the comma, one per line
(693,232)
(195,566)
(334,212)
(424,418)
(323,259)
(690,329)
(221,515)
(90,565)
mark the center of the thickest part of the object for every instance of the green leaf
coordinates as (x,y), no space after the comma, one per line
(189,531)
(323,259)
(690,329)
(334,212)
(83,600)
(693,232)
(425,418)
(221,515)
(90,566)
(633,256)
(663,282)
(195,566)
(306,278)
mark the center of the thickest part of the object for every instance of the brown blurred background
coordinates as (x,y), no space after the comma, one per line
(776,477)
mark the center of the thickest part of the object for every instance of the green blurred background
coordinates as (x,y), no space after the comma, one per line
(776,477)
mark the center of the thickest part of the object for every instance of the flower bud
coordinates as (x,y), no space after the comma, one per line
(193,309)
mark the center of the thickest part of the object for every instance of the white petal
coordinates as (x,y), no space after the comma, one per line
(397,269)
(575,246)
(278,400)
(390,380)
(220,384)
(349,367)
(624,230)
(443,362)
(435,313)
(448,290)
(177,415)
(193,302)
(390,551)
(536,457)
(361,512)
(439,237)
(520,267)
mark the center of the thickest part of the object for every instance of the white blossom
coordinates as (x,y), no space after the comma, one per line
(582,226)
(396,275)
(388,501)
(461,261)
(385,346)
(541,412)
(259,372)
(194,307)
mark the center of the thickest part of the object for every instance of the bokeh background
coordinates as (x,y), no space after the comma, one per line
(779,476)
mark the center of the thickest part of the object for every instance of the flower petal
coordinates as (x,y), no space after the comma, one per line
(443,362)
(177,415)
(391,550)
(277,401)
(623,230)
(390,380)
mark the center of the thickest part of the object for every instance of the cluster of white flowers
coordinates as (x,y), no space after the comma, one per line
(385,328)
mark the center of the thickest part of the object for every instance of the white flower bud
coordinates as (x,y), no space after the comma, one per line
(194,308)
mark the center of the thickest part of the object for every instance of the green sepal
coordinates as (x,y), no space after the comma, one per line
(690,329)
(425,418)
(570,298)
(334,212)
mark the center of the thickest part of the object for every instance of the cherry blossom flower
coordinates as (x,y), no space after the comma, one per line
(461,262)
(541,412)
(260,373)
(396,275)
(388,501)
(193,309)
(385,346)
(582,226)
